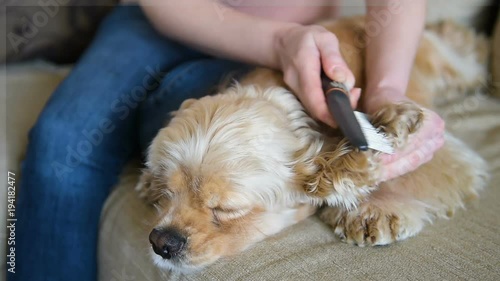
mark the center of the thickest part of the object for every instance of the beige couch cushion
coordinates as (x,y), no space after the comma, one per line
(27,88)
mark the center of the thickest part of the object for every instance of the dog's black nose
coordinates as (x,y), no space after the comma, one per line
(166,242)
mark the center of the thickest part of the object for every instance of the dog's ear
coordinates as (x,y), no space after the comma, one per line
(185,104)
(148,189)
(337,176)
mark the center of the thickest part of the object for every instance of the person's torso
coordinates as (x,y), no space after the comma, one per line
(300,11)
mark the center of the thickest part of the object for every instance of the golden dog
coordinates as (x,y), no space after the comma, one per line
(236,167)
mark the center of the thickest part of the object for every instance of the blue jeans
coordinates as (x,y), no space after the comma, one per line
(106,111)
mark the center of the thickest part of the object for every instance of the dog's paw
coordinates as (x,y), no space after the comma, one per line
(369,225)
(398,121)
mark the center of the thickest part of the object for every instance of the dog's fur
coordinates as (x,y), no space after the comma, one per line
(236,167)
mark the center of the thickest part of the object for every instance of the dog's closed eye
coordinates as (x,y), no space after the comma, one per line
(224,214)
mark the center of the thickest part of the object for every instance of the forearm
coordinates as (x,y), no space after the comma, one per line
(391,51)
(215,29)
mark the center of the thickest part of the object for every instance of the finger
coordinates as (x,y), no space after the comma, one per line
(427,146)
(412,145)
(354,96)
(400,167)
(341,74)
(312,96)
(411,161)
(316,103)
(435,119)
(406,165)
(429,138)
(332,61)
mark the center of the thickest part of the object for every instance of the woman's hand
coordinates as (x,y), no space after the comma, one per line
(301,52)
(421,145)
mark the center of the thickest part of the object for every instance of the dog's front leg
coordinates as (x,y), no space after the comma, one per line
(341,176)
(386,214)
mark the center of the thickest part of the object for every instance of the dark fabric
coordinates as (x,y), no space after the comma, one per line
(54,30)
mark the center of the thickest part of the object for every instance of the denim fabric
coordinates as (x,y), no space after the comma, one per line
(109,108)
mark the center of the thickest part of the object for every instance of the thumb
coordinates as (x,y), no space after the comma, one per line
(340,73)
(332,61)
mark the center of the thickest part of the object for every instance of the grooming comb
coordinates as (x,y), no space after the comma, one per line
(354,125)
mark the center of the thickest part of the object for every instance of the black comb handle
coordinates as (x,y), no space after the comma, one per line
(340,107)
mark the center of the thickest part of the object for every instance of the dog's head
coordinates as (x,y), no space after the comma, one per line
(222,177)
(227,171)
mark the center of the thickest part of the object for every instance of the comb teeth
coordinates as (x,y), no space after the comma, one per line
(376,139)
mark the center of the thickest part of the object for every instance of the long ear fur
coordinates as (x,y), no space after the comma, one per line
(148,189)
(185,104)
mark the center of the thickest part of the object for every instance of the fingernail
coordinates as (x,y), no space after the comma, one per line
(349,84)
(338,74)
